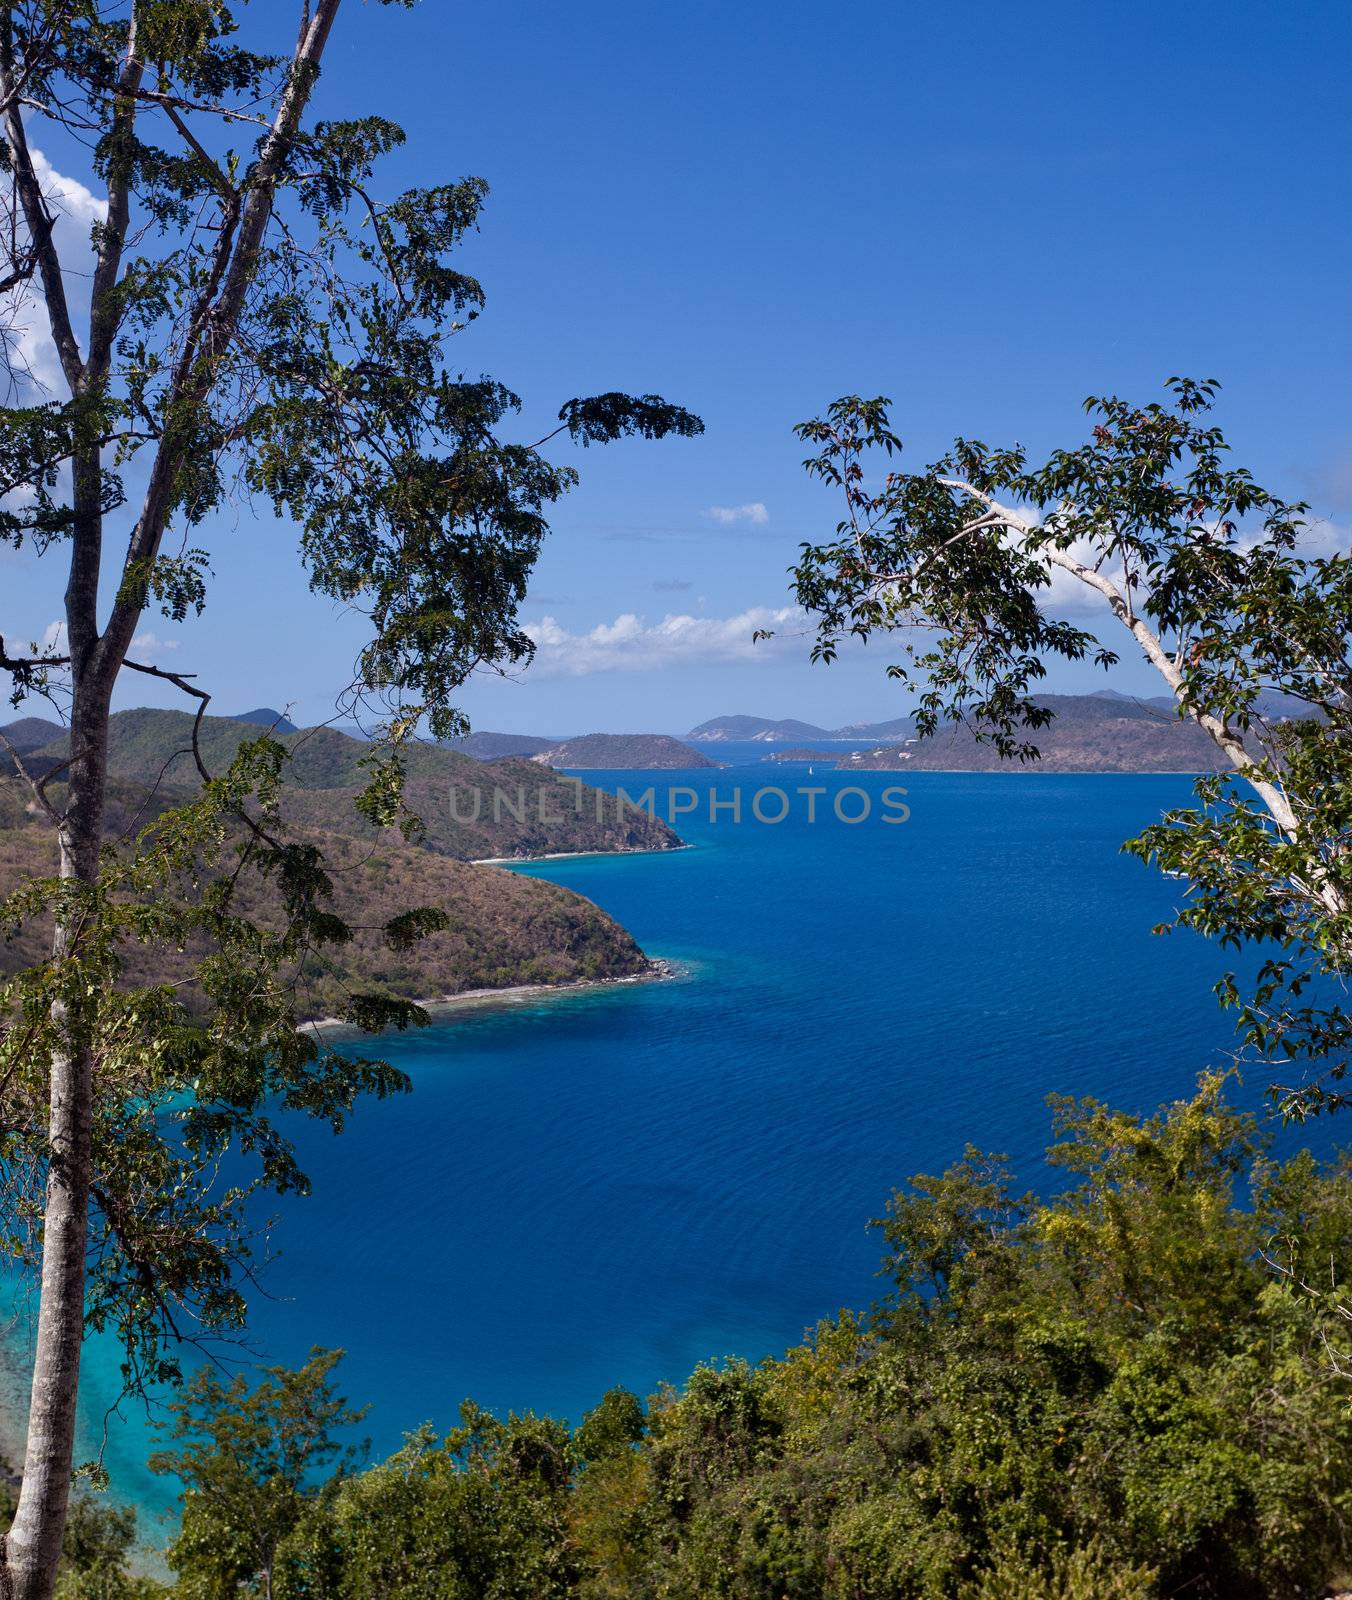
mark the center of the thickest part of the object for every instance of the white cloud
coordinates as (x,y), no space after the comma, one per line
(1322,537)
(629,644)
(150,644)
(68,195)
(753,512)
(76,209)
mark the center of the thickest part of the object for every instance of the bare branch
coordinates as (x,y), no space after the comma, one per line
(33,784)
(199,150)
(181,680)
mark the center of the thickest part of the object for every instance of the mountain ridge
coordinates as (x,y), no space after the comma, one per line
(471,810)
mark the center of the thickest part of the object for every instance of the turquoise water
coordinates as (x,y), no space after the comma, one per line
(609,1186)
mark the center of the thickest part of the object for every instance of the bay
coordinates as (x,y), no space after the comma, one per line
(610,1185)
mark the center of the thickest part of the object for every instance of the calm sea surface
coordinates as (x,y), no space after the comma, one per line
(612,1185)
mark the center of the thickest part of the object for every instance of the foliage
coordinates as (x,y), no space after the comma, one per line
(285,330)
(98,1552)
(249,1461)
(479,1517)
(1135,1389)
(1085,1573)
(1213,581)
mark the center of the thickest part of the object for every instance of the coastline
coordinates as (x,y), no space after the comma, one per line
(1037,769)
(578,855)
(658,970)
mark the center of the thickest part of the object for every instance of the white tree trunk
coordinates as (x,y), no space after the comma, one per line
(33,1545)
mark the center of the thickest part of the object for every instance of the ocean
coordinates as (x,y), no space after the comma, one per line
(611,1185)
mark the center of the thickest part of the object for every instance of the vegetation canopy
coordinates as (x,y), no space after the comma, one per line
(1133,1390)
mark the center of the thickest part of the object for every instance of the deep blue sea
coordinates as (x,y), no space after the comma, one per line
(611,1185)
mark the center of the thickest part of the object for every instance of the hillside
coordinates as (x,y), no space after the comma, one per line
(471,809)
(505,929)
(1104,732)
(31,733)
(1104,708)
(757,729)
(152,746)
(503,809)
(266,717)
(897,728)
(633,751)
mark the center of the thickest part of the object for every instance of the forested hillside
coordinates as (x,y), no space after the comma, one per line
(504,929)
(469,809)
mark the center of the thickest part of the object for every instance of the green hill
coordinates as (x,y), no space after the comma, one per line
(153,746)
(624,751)
(505,929)
(472,809)
(30,733)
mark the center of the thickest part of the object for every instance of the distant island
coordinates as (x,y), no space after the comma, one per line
(1101,732)
(1088,733)
(828,758)
(620,751)
(506,930)
(758,730)
(495,746)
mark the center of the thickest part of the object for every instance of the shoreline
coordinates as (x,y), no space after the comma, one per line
(659,970)
(578,855)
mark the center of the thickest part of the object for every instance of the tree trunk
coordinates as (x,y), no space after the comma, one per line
(33,1545)
(29,1554)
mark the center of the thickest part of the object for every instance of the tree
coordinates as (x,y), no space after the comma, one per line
(1109,1392)
(1211,579)
(97,1552)
(480,1516)
(249,1461)
(256,318)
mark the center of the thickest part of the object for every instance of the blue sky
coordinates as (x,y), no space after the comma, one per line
(985,211)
